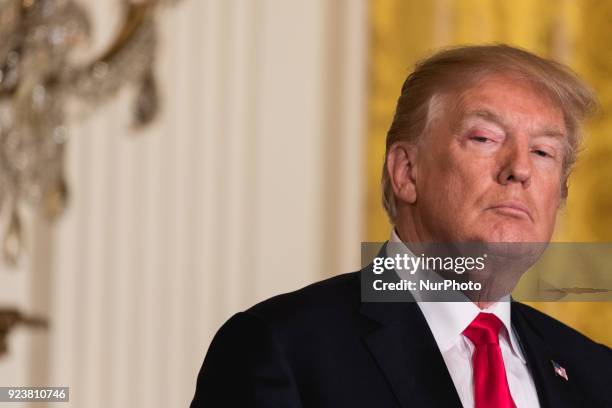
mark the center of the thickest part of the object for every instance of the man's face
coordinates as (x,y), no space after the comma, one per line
(490,167)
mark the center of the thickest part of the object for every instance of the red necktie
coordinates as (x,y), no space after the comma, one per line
(490,384)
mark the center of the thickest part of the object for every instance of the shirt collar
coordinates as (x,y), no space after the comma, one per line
(448,320)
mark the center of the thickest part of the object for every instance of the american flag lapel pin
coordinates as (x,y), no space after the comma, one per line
(560,371)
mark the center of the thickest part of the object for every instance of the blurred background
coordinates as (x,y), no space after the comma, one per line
(209,154)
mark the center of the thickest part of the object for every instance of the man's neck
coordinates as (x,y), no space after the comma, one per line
(411,245)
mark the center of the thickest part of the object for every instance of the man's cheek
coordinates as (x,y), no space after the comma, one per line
(551,199)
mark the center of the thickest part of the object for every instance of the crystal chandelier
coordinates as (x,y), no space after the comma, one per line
(39,81)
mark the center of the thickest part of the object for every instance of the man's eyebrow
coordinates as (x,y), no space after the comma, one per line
(483,114)
(553,132)
(492,117)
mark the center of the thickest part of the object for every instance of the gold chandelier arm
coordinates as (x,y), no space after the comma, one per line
(135,16)
(9,318)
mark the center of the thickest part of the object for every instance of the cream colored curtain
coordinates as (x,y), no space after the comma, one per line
(576,32)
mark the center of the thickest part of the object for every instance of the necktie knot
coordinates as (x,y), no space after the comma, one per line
(484,329)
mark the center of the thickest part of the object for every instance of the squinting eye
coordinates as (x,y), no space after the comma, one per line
(542,153)
(480,139)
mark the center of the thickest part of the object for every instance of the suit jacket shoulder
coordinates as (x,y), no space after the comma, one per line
(320,302)
(565,337)
(293,350)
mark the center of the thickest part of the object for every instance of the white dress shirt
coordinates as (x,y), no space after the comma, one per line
(447,320)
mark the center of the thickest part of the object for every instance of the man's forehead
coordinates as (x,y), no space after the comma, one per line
(491,100)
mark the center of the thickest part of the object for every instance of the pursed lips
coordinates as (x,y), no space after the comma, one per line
(515,208)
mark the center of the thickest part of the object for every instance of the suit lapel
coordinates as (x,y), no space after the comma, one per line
(407,354)
(553,390)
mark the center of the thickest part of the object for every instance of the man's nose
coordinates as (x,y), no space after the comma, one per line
(515,164)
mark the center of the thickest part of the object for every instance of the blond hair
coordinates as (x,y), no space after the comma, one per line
(458,68)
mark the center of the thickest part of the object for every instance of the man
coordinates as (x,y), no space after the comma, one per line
(479,150)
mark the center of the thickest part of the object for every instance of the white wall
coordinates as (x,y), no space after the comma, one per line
(248,185)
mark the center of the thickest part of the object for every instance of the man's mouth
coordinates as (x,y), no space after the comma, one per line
(513,209)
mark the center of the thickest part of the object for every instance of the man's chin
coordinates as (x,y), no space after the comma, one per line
(508,234)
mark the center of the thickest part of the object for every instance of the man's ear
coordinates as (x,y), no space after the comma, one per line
(401,167)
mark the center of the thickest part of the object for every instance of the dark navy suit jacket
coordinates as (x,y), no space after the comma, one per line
(322,347)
